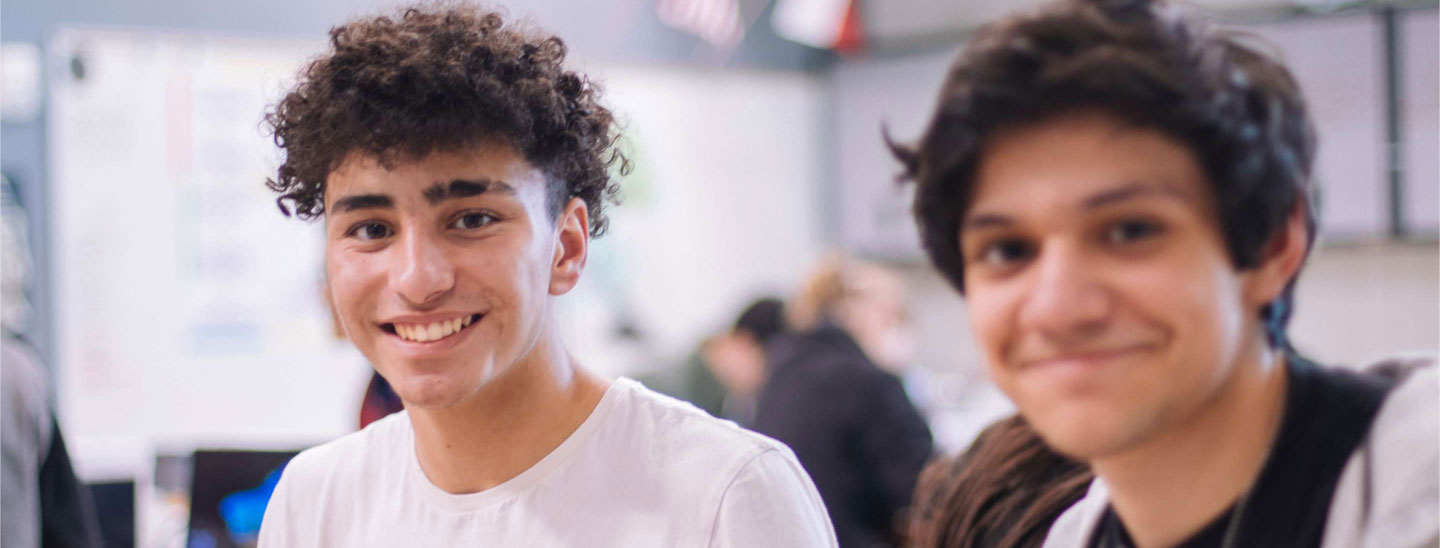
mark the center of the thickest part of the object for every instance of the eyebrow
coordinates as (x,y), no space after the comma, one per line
(1131,191)
(362,201)
(1128,192)
(461,188)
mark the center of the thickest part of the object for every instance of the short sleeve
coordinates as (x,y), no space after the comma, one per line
(772,502)
(277,528)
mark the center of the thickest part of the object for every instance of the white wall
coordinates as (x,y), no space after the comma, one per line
(899,94)
(718,211)
(1357,303)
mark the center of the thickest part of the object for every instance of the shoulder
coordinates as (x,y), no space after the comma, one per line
(1389,493)
(731,485)
(772,502)
(352,458)
(684,447)
(673,425)
(1076,525)
(321,488)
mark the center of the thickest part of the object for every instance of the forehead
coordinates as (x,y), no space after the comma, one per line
(1065,164)
(432,175)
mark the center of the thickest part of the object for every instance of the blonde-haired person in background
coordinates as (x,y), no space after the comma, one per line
(848,419)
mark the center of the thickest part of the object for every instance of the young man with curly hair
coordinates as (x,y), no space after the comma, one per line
(461,171)
(1122,194)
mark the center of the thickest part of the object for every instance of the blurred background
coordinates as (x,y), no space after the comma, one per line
(176,310)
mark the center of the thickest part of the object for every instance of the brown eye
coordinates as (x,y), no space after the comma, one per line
(472,221)
(1006,252)
(1130,231)
(369,231)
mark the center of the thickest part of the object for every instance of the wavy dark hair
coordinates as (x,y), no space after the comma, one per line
(1147,65)
(1005,491)
(439,78)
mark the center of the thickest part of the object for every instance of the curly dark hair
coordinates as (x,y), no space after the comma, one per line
(1145,64)
(439,78)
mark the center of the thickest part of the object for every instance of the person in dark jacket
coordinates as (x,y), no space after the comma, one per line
(848,420)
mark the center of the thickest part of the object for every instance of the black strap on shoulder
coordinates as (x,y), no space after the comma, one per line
(1327,416)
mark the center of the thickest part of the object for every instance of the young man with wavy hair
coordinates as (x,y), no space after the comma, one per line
(1122,194)
(461,171)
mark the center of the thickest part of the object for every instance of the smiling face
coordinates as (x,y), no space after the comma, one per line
(1099,285)
(441,269)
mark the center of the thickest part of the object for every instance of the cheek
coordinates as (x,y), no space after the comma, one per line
(351,280)
(991,311)
(1196,300)
(341,275)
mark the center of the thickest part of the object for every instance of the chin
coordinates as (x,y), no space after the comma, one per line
(1088,434)
(434,391)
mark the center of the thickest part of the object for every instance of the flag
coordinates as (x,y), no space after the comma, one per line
(825,24)
(714,21)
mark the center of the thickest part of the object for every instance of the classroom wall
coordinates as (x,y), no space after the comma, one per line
(743,177)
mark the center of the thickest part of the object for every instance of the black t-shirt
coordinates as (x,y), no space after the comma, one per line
(1327,413)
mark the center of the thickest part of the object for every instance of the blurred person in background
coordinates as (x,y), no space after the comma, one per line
(724,375)
(1123,195)
(848,420)
(461,171)
(42,502)
(737,359)
(1005,491)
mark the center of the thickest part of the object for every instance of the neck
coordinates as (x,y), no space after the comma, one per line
(507,426)
(1171,486)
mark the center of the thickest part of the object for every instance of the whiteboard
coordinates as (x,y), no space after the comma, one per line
(188,310)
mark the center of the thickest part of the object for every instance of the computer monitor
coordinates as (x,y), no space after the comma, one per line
(228,492)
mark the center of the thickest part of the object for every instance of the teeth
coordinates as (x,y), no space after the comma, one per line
(433,331)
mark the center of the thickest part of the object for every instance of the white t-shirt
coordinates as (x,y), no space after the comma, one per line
(643,470)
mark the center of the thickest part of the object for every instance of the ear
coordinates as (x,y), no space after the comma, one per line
(1280,262)
(572,246)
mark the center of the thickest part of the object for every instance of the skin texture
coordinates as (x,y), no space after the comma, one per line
(1108,310)
(407,245)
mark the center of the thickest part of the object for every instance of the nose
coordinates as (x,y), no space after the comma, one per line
(422,272)
(1067,301)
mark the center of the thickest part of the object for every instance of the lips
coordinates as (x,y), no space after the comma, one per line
(1082,359)
(430,331)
